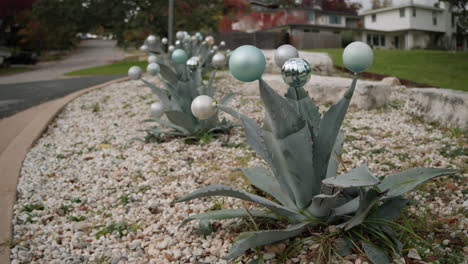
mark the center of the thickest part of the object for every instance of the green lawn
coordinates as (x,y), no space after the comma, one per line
(437,68)
(12,70)
(120,67)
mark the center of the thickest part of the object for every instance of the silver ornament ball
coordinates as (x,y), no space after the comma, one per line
(203,107)
(153,69)
(284,53)
(209,40)
(135,73)
(222,43)
(218,60)
(193,63)
(151,39)
(157,109)
(180,35)
(171,48)
(144,48)
(164,41)
(296,72)
(152,59)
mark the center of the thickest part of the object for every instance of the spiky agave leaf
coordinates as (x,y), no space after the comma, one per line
(375,254)
(404,181)
(367,200)
(307,109)
(228,214)
(254,239)
(223,190)
(357,177)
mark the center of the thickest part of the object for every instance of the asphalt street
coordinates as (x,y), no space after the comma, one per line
(47,82)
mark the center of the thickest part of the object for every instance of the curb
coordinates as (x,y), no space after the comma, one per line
(35,121)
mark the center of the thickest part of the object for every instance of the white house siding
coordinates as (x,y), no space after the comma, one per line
(388,21)
(423,20)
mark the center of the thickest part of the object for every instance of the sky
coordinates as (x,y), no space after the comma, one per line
(367,3)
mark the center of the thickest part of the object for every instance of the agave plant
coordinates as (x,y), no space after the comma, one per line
(183,82)
(300,147)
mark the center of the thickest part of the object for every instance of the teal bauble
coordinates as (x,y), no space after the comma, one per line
(247,63)
(358,56)
(179,56)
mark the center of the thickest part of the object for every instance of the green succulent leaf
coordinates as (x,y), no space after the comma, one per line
(209,87)
(347,208)
(223,190)
(367,199)
(390,209)
(375,254)
(171,125)
(181,119)
(253,133)
(264,180)
(292,165)
(227,214)
(335,157)
(280,116)
(404,181)
(168,74)
(161,93)
(357,177)
(260,238)
(226,99)
(309,111)
(329,128)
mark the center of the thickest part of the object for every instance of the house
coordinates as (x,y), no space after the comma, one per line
(409,26)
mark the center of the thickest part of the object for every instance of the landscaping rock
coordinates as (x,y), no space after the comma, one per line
(392,81)
(320,63)
(447,107)
(328,90)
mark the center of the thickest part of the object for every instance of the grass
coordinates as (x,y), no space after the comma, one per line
(13,70)
(119,67)
(437,68)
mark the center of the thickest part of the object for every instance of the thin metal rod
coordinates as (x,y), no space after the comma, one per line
(171,21)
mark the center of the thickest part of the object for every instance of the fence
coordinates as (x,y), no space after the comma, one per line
(272,40)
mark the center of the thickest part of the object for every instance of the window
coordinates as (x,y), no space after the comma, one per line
(336,32)
(453,20)
(434,18)
(414,11)
(382,40)
(374,17)
(375,40)
(312,17)
(402,12)
(334,19)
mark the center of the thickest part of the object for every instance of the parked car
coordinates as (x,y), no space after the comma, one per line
(23,57)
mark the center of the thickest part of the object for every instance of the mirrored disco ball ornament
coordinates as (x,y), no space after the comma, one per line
(358,56)
(180,35)
(144,48)
(152,59)
(218,60)
(151,39)
(296,72)
(179,56)
(157,109)
(164,41)
(284,53)
(193,63)
(135,73)
(247,63)
(203,107)
(153,69)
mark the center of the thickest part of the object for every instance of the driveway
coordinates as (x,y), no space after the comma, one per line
(21,91)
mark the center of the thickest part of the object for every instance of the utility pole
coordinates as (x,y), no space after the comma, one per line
(171,21)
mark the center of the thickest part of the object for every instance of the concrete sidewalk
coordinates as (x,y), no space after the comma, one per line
(18,135)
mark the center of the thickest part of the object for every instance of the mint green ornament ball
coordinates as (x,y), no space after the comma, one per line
(179,56)
(247,63)
(358,56)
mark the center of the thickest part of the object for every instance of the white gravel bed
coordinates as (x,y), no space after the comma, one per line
(86,173)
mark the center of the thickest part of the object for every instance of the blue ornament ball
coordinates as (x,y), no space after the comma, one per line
(247,63)
(179,56)
(358,56)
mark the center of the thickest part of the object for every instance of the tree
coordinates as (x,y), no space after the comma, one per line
(376,4)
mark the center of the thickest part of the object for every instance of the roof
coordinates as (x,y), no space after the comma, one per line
(381,10)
